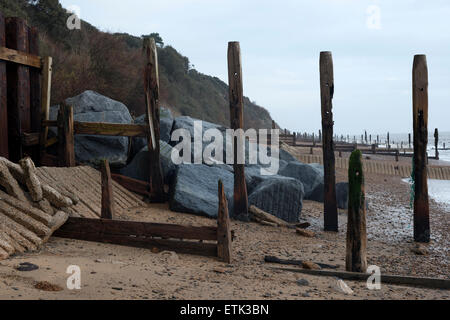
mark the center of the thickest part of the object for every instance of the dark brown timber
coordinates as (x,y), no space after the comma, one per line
(236,98)
(35,90)
(137,186)
(223,228)
(327,92)
(107,192)
(3,97)
(436,143)
(420,125)
(356,257)
(66,136)
(18,78)
(151,82)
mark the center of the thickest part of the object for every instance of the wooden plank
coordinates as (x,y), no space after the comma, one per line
(420,125)
(236,100)
(45,102)
(19,57)
(137,186)
(356,253)
(223,228)
(327,92)
(151,82)
(107,192)
(111,129)
(138,229)
(18,78)
(432,283)
(30,139)
(66,136)
(4,150)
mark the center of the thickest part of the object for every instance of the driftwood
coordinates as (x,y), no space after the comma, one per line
(261,215)
(31,180)
(433,283)
(271,259)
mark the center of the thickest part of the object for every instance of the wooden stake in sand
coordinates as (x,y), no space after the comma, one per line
(66,136)
(151,82)
(236,97)
(223,228)
(356,258)
(420,124)
(436,143)
(327,92)
(107,192)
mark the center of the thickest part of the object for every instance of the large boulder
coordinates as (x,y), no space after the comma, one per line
(139,166)
(195,189)
(280,196)
(341,194)
(310,175)
(165,130)
(91,106)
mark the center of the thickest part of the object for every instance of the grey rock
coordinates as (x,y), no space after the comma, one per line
(342,195)
(303,282)
(91,106)
(195,189)
(280,196)
(311,176)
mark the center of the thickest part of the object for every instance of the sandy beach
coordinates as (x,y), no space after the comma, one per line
(117,272)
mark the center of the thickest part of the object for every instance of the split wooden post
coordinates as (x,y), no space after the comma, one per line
(223,227)
(66,136)
(236,97)
(420,124)
(107,192)
(356,257)
(46,89)
(327,92)
(436,143)
(19,117)
(151,82)
(4,152)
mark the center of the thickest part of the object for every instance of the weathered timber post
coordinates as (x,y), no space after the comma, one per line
(18,100)
(370,139)
(420,124)
(356,258)
(378,139)
(66,136)
(35,89)
(4,152)
(327,92)
(436,143)
(236,97)
(396,155)
(151,82)
(388,141)
(107,192)
(293,139)
(314,139)
(409,140)
(223,227)
(47,64)
(320,135)
(374,149)
(365,136)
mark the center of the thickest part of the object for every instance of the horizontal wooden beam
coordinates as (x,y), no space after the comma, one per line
(30,139)
(141,235)
(136,186)
(19,57)
(433,283)
(104,128)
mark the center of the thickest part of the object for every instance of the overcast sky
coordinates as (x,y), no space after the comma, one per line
(373,43)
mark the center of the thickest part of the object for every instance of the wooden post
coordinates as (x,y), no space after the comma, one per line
(35,90)
(409,140)
(396,155)
(45,102)
(293,139)
(388,141)
(236,97)
(420,124)
(223,227)
(107,192)
(356,258)
(18,77)
(65,136)
(314,139)
(151,82)
(436,143)
(327,92)
(3,94)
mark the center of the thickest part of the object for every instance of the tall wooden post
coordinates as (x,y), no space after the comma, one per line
(47,64)
(107,192)
(420,124)
(409,140)
(236,97)
(327,92)
(294,139)
(223,227)
(3,94)
(436,143)
(66,136)
(35,90)
(388,141)
(151,82)
(356,258)
(18,77)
